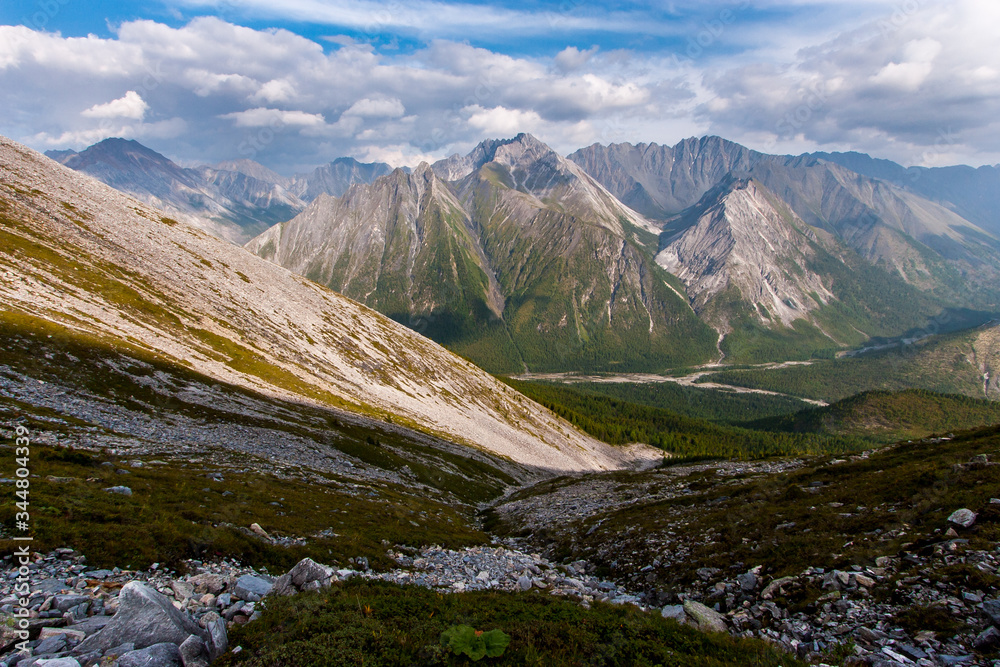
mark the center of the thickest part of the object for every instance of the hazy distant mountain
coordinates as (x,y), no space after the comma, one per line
(254,170)
(525,260)
(229,203)
(335,178)
(973,193)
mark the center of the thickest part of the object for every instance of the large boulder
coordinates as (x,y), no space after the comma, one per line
(307,570)
(251,588)
(707,620)
(165,654)
(964,517)
(145,617)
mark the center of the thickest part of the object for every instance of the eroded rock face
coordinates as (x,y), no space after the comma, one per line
(742,240)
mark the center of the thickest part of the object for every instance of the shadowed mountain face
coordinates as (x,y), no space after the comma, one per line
(525,260)
(94,266)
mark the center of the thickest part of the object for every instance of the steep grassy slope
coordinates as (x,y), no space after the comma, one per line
(87,258)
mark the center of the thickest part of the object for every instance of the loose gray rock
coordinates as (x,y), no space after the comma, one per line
(707,619)
(145,617)
(121,490)
(307,570)
(194,652)
(963,517)
(283,586)
(218,639)
(249,586)
(67,602)
(182,589)
(992,609)
(51,645)
(207,583)
(986,639)
(748,581)
(91,625)
(158,655)
(121,649)
(676,612)
(524,583)
(58,662)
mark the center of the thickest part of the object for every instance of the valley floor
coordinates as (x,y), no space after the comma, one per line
(692,378)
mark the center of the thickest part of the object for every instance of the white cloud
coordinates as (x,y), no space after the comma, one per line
(377,108)
(264,117)
(889,87)
(275,90)
(130,106)
(503,122)
(916,66)
(164,129)
(572,58)
(892,87)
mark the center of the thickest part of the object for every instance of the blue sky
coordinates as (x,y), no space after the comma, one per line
(298,83)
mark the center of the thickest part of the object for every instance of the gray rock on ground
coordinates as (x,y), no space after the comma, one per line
(965,518)
(194,652)
(707,619)
(992,609)
(307,570)
(158,655)
(676,612)
(251,588)
(145,617)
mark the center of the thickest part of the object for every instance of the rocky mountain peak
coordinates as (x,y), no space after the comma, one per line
(740,238)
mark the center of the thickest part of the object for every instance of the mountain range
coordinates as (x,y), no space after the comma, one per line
(85,263)
(628,257)
(520,260)
(236,200)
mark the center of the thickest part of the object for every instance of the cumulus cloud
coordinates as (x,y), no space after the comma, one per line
(377,108)
(893,86)
(264,117)
(130,106)
(572,58)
